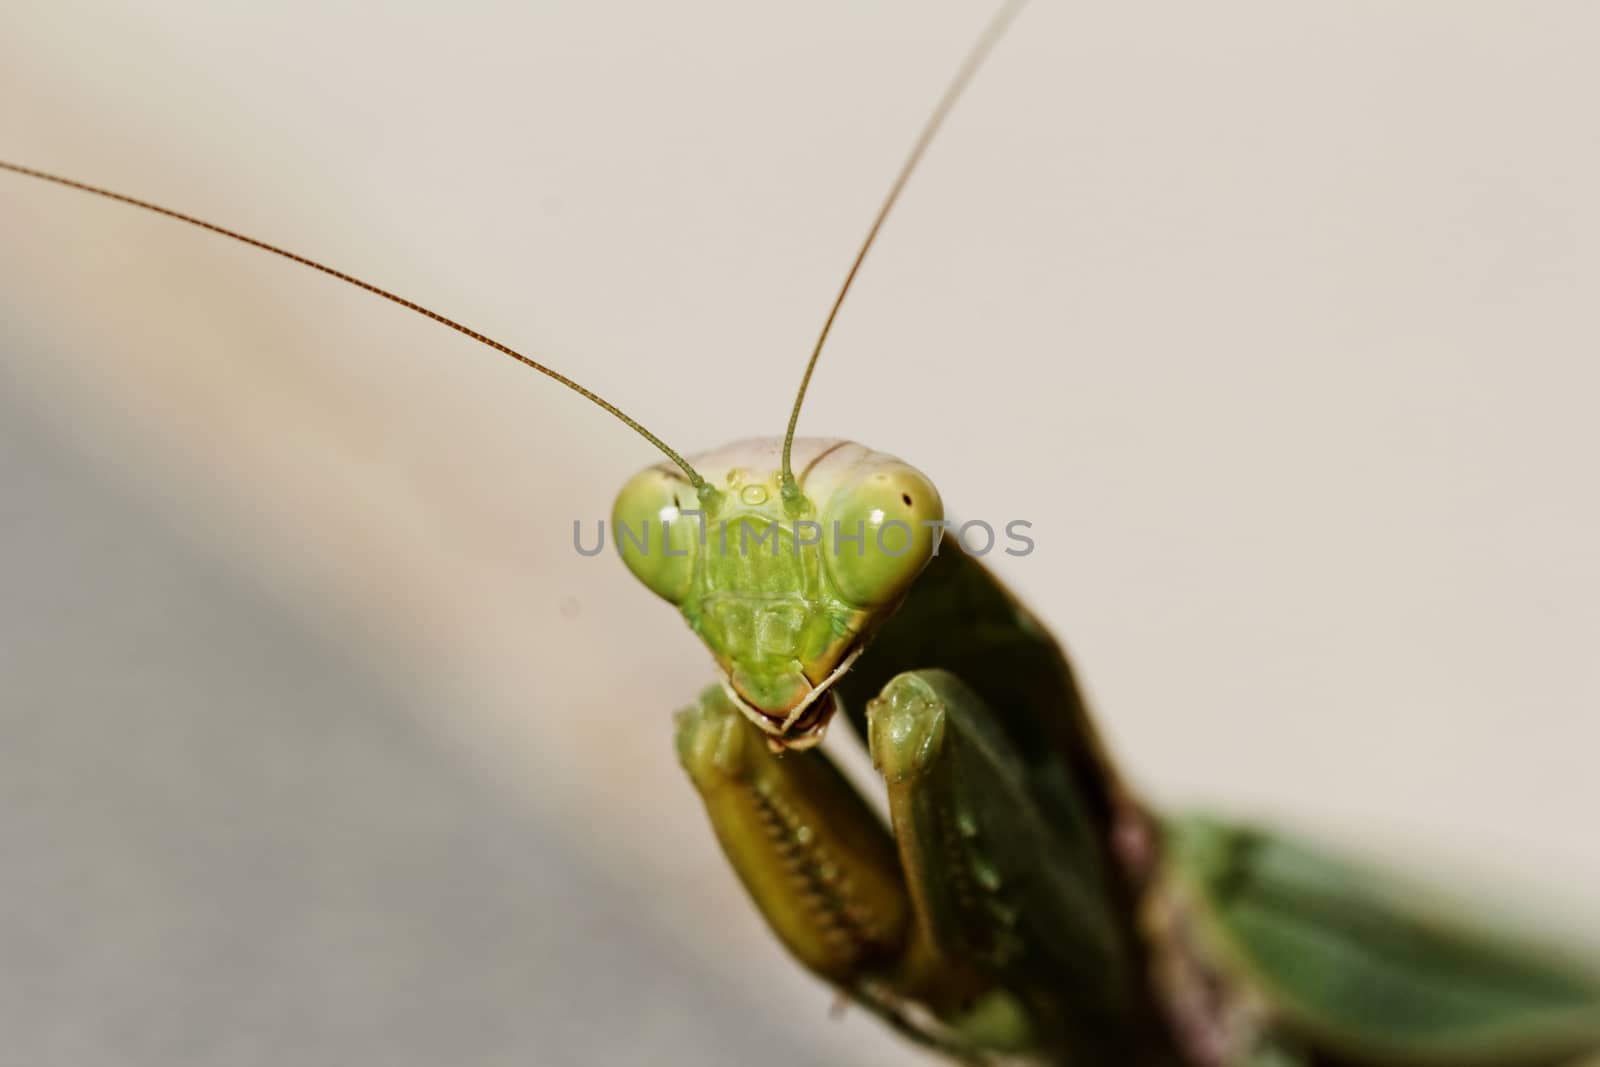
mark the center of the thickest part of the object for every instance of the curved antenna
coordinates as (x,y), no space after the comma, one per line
(986,41)
(698,482)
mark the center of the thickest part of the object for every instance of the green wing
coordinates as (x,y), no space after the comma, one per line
(1363,971)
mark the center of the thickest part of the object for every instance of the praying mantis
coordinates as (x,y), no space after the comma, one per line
(957,1050)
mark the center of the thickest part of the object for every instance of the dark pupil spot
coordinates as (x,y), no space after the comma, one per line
(906,497)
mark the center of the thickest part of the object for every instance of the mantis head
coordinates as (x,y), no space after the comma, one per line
(784,587)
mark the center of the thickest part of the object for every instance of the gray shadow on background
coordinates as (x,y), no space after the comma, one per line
(223,844)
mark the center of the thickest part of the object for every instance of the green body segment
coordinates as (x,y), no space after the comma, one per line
(1021,906)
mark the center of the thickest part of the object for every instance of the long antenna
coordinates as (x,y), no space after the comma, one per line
(694,476)
(990,37)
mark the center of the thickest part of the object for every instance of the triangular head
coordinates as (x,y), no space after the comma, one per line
(785,589)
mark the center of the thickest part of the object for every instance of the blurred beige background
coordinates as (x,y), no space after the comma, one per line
(321,743)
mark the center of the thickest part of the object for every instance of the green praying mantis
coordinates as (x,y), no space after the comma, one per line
(1023,903)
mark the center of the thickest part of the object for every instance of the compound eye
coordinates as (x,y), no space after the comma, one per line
(653,536)
(878,533)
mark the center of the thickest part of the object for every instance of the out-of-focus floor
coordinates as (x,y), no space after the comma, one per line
(224,844)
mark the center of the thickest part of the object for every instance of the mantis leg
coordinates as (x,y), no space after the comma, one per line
(999,886)
(824,872)
(815,858)
(972,928)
